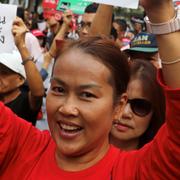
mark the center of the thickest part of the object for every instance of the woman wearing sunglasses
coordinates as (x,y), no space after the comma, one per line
(144,112)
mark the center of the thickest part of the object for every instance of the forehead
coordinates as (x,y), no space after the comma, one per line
(79,65)
(88,17)
(135,89)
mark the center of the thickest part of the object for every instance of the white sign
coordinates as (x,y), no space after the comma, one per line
(121,3)
(7,15)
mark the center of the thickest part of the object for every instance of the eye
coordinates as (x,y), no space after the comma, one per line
(58,90)
(87,95)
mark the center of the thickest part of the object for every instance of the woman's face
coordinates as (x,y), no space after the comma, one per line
(80,104)
(131,126)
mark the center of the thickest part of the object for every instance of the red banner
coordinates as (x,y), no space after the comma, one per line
(49,8)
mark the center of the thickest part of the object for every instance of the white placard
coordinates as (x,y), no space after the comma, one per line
(121,3)
(7,15)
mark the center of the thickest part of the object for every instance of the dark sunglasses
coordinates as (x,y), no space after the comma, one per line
(140,107)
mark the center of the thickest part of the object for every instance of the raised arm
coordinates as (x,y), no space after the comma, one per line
(33,76)
(169,45)
(48,56)
(160,159)
(102,22)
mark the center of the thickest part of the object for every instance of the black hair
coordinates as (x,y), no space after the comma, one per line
(92,8)
(20,12)
(122,23)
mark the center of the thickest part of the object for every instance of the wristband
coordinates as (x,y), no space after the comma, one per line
(50,54)
(30,58)
(170,26)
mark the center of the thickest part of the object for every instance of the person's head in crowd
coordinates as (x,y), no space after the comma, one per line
(87,18)
(124,36)
(121,26)
(144,112)
(54,24)
(144,46)
(12,76)
(40,36)
(138,24)
(25,16)
(82,103)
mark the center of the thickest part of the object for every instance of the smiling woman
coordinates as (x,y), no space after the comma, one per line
(75,103)
(87,92)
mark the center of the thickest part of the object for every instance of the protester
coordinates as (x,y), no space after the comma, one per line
(14,71)
(138,24)
(87,19)
(124,36)
(40,36)
(144,112)
(88,79)
(144,46)
(54,26)
(31,41)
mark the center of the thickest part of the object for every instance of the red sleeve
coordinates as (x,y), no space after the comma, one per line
(162,159)
(8,135)
(18,139)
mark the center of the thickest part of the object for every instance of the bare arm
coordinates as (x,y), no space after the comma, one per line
(33,76)
(48,56)
(169,44)
(103,20)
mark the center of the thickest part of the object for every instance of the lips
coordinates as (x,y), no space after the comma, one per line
(121,126)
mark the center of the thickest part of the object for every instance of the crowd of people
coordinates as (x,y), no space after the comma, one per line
(110,95)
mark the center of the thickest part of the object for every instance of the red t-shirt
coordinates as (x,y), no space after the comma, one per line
(28,153)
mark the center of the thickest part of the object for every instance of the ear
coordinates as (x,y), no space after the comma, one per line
(120,106)
(21,81)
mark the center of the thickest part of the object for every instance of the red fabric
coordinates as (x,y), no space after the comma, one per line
(27,153)
(49,8)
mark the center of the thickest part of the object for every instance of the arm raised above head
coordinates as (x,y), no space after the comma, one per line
(102,22)
(33,76)
(162,11)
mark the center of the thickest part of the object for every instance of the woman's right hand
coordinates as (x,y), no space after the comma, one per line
(158,10)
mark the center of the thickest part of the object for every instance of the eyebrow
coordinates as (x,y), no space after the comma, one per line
(84,86)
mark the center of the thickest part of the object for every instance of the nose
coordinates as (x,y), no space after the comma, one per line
(127,112)
(85,31)
(69,107)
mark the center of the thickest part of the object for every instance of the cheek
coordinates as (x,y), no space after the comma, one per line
(142,124)
(100,119)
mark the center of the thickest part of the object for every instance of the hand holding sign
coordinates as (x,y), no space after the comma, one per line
(19,29)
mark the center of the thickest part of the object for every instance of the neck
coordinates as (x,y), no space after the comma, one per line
(10,96)
(126,145)
(82,161)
